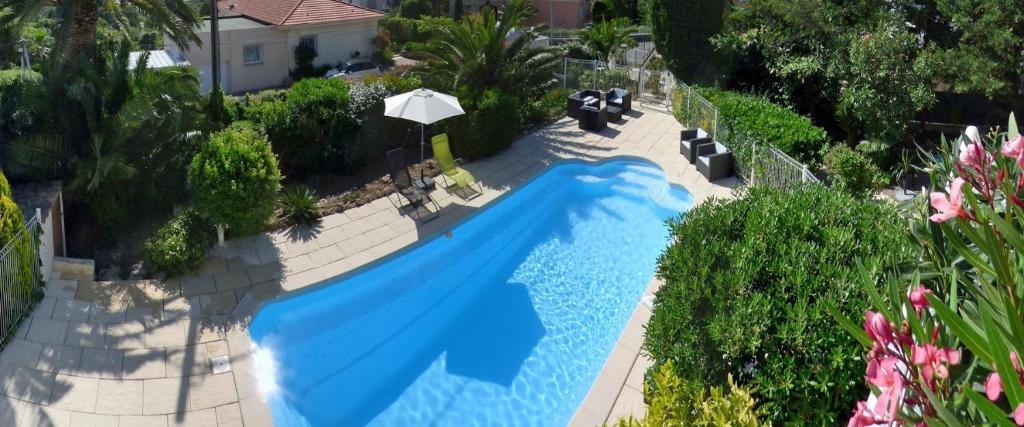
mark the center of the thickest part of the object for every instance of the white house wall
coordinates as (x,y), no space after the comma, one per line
(336,43)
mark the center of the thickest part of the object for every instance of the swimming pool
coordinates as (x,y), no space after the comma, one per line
(506,322)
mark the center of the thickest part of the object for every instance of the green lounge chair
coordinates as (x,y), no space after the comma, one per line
(450,170)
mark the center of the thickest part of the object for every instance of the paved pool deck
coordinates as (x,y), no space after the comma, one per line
(138,353)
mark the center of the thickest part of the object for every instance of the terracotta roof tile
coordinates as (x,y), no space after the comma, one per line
(298,12)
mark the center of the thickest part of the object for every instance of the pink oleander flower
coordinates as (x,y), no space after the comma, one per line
(974,155)
(919,297)
(993,386)
(863,416)
(1018,415)
(878,327)
(1014,147)
(933,361)
(949,206)
(884,373)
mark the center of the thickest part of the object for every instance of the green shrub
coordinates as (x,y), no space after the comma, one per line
(747,282)
(299,205)
(490,125)
(180,245)
(549,107)
(744,119)
(235,179)
(5,187)
(882,154)
(852,172)
(674,402)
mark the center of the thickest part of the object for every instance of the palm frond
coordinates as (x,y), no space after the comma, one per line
(36,156)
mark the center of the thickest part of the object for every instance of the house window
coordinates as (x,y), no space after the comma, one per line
(253,53)
(308,42)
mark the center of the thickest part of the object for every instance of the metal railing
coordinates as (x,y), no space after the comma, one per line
(648,85)
(20,276)
(756,162)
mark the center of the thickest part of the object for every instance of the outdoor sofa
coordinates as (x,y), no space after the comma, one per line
(593,119)
(581,98)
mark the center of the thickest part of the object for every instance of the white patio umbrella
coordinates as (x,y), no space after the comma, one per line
(423,106)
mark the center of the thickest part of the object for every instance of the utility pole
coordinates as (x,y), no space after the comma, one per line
(215,42)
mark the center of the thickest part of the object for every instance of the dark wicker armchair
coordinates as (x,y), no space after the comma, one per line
(593,119)
(714,161)
(620,98)
(578,99)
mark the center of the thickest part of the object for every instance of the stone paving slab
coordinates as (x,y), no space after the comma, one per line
(137,353)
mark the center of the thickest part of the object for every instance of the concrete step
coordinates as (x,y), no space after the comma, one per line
(84,267)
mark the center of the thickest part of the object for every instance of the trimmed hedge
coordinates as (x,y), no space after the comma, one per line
(490,125)
(755,118)
(180,245)
(747,285)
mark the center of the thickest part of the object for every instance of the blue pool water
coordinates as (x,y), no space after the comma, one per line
(507,322)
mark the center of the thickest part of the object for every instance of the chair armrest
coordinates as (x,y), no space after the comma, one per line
(719,156)
(706,149)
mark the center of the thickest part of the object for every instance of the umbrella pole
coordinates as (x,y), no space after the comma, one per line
(423,144)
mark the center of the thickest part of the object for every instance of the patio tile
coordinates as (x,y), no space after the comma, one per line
(179,308)
(144,364)
(187,360)
(201,418)
(229,416)
(60,288)
(264,272)
(231,280)
(48,331)
(60,359)
(85,334)
(120,397)
(217,303)
(44,308)
(31,385)
(20,352)
(143,421)
(197,285)
(74,393)
(164,396)
(69,309)
(101,314)
(126,335)
(209,391)
(170,334)
(101,363)
(80,419)
(255,412)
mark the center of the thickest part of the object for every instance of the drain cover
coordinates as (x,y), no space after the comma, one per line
(221,364)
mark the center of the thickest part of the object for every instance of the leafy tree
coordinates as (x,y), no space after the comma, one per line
(681,30)
(608,38)
(80,19)
(111,124)
(978,45)
(235,179)
(886,85)
(606,10)
(415,9)
(480,53)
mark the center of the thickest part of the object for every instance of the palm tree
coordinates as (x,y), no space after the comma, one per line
(489,51)
(78,20)
(607,38)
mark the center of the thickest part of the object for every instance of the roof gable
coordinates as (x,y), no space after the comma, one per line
(299,12)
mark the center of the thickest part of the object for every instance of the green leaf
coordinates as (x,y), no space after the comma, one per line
(1001,357)
(940,410)
(989,409)
(1009,232)
(967,335)
(848,325)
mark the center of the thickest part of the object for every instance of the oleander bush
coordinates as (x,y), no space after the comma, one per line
(746,118)
(180,245)
(746,283)
(235,179)
(852,172)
